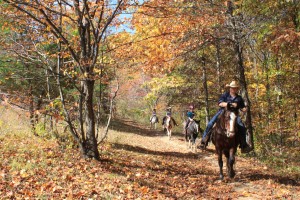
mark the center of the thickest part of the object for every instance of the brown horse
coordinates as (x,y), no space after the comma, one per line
(225,138)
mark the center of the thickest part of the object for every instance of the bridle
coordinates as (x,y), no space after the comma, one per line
(228,123)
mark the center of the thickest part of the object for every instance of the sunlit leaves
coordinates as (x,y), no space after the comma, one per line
(163,85)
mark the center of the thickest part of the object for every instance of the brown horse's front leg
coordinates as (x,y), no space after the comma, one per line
(230,162)
(220,164)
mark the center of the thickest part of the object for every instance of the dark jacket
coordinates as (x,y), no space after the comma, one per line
(229,99)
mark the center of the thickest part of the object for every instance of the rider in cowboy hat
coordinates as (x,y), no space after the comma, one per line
(236,101)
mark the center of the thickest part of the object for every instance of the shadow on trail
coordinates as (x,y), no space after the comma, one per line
(160,174)
(159,153)
(212,151)
(276,178)
(136,128)
(132,127)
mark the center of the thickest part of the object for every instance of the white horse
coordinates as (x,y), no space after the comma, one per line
(153,121)
(168,124)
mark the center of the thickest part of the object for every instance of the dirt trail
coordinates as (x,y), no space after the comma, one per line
(253,180)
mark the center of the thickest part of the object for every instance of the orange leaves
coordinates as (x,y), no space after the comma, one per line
(144,190)
(288,38)
(166,30)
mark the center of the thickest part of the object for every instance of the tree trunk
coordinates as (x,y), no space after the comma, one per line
(244,91)
(49,97)
(90,144)
(238,48)
(218,57)
(31,109)
(268,91)
(207,115)
(279,90)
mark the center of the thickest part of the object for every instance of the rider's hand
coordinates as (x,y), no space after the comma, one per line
(234,105)
(244,109)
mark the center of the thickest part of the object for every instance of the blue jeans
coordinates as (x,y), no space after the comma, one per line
(241,128)
(211,124)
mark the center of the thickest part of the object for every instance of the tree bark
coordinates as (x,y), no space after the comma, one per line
(207,115)
(244,91)
(268,90)
(218,65)
(31,108)
(90,145)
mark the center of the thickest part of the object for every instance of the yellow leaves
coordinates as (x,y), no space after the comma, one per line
(97,71)
(246,194)
(109,187)
(160,85)
(258,87)
(166,82)
(4,26)
(23,173)
(48,28)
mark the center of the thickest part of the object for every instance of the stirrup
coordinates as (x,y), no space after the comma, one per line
(202,145)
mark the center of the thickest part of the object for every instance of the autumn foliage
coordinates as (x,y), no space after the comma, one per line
(85,62)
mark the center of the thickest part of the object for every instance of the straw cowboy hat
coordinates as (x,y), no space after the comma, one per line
(233,84)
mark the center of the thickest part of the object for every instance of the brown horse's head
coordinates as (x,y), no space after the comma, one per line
(228,121)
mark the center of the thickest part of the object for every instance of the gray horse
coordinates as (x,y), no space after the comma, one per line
(191,133)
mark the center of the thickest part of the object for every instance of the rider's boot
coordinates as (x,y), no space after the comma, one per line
(204,142)
(245,148)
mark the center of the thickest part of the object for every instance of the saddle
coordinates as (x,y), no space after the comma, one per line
(189,122)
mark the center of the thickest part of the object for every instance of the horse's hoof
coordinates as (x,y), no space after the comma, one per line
(232,174)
